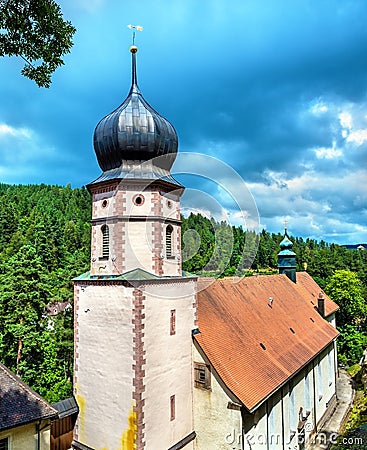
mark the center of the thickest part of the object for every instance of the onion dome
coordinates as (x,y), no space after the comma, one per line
(286,245)
(134,132)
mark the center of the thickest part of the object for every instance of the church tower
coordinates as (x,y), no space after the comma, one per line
(287,258)
(134,309)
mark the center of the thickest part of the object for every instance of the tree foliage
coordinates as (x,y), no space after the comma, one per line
(45,242)
(36,31)
(346,289)
(211,248)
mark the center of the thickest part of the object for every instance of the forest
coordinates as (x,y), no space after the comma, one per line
(45,243)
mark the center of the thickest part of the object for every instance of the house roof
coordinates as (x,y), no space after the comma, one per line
(19,404)
(255,344)
(66,408)
(304,281)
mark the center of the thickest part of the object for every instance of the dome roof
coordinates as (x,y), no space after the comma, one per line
(286,242)
(286,245)
(134,131)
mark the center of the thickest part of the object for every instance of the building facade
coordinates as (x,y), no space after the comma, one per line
(134,310)
(267,362)
(161,364)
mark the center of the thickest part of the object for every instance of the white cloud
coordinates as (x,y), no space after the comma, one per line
(346,120)
(358,137)
(23,153)
(318,108)
(315,205)
(351,132)
(328,153)
(7,130)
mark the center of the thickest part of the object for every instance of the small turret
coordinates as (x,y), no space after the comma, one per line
(287,258)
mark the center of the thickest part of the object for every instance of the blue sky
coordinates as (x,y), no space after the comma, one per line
(276,90)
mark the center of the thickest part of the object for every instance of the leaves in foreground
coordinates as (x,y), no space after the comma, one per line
(36,31)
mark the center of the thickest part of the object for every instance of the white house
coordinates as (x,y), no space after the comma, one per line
(264,363)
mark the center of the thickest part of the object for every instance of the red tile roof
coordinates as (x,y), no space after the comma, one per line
(306,282)
(250,341)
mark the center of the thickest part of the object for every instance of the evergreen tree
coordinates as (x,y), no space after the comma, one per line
(23,297)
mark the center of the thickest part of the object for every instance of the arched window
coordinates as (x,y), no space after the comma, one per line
(105,241)
(169,231)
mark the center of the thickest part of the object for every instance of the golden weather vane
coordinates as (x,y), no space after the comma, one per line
(135,27)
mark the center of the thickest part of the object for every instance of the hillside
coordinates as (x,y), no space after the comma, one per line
(45,242)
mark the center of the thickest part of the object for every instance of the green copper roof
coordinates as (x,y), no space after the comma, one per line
(286,252)
(286,242)
(286,246)
(132,275)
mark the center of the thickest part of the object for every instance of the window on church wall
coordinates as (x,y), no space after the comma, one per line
(307,392)
(292,411)
(273,435)
(172,326)
(319,380)
(202,376)
(169,235)
(105,241)
(4,444)
(172,401)
(330,367)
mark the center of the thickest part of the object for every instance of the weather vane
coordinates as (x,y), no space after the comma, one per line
(135,27)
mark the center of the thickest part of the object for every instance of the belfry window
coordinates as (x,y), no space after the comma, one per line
(105,242)
(169,232)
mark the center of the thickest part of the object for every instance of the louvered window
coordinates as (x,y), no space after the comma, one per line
(202,376)
(105,242)
(169,231)
(4,444)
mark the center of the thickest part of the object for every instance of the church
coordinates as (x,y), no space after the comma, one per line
(167,361)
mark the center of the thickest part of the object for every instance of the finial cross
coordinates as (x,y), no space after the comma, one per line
(285,224)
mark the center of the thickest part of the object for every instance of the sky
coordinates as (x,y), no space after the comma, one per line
(270,94)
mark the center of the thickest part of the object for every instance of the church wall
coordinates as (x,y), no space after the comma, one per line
(216,426)
(255,429)
(103,363)
(168,364)
(332,320)
(25,437)
(138,246)
(279,417)
(325,381)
